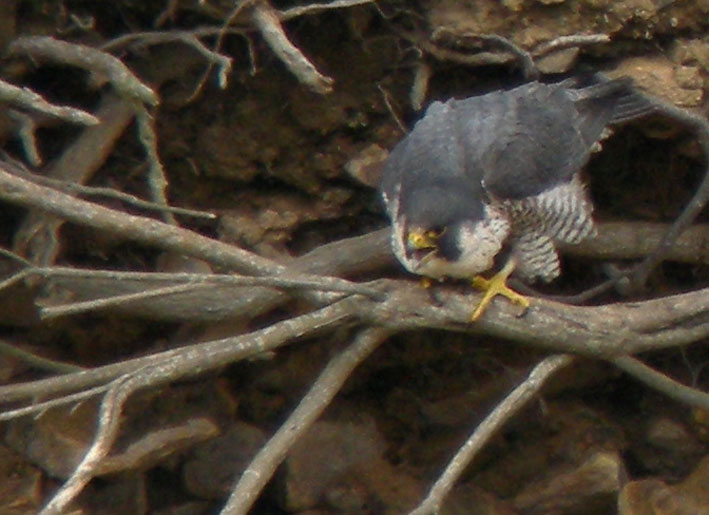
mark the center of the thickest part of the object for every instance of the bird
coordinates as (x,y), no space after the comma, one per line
(498,177)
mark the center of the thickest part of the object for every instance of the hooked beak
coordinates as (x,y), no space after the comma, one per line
(422,246)
(418,240)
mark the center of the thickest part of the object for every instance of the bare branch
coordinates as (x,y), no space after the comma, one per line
(156,445)
(20,191)
(419,87)
(636,240)
(311,406)
(193,359)
(122,79)
(662,383)
(315,8)
(488,428)
(36,236)
(445,54)
(98,191)
(36,361)
(156,173)
(266,20)
(362,255)
(575,40)
(26,133)
(28,99)
(74,308)
(194,282)
(41,407)
(109,419)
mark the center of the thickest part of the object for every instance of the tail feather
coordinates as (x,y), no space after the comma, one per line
(619,98)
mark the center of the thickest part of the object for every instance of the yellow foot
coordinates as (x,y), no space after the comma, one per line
(426,282)
(496,285)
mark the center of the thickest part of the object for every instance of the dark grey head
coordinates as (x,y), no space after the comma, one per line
(440,210)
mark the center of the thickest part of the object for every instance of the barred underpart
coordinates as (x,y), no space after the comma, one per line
(535,256)
(563,213)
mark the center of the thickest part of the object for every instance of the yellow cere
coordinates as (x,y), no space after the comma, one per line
(426,240)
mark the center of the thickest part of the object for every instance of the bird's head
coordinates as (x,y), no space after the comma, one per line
(422,244)
(462,248)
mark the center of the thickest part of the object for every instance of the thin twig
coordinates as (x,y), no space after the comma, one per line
(28,99)
(575,40)
(419,86)
(15,278)
(26,133)
(265,18)
(662,383)
(315,8)
(88,58)
(156,172)
(320,395)
(36,361)
(390,108)
(157,445)
(700,126)
(488,428)
(74,308)
(98,191)
(119,391)
(40,407)
(192,359)
(16,190)
(109,420)
(190,38)
(36,236)
(194,281)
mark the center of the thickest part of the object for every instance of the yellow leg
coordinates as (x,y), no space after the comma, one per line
(496,285)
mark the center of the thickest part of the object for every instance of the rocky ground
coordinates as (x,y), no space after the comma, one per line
(285,156)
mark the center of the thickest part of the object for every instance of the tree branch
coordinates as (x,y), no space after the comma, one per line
(488,428)
(311,406)
(662,383)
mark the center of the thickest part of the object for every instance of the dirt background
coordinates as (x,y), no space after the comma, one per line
(279,165)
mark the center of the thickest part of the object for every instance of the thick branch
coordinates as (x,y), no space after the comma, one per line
(354,257)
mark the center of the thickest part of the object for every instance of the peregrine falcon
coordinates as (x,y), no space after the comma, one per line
(498,174)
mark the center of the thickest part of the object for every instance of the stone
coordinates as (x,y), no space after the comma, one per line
(560,61)
(667,434)
(323,458)
(469,499)
(678,85)
(654,497)
(20,484)
(366,166)
(214,466)
(592,487)
(666,448)
(125,493)
(57,440)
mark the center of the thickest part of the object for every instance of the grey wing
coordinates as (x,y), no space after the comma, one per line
(545,134)
(409,162)
(425,174)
